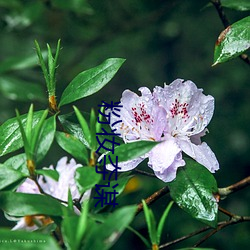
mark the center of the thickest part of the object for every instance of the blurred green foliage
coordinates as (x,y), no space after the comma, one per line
(161,41)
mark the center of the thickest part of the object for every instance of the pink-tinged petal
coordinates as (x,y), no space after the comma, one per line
(127,165)
(196,139)
(29,187)
(59,189)
(165,158)
(201,153)
(189,110)
(139,116)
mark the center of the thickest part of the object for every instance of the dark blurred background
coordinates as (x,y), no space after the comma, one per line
(161,41)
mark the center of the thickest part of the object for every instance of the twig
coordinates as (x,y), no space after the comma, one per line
(235,220)
(223,192)
(204,229)
(152,198)
(144,173)
(221,225)
(224,211)
(226,23)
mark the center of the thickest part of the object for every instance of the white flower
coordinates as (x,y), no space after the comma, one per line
(58,189)
(177,115)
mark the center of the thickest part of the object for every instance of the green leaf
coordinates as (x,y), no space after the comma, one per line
(90,81)
(16,240)
(130,151)
(69,231)
(20,204)
(241,5)
(72,127)
(74,228)
(92,127)
(105,235)
(151,223)
(162,221)
(193,191)
(84,125)
(233,41)
(46,137)
(10,136)
(9,175)
(53,174)
(19,90)
(18,162)
(86,178)
(73,146)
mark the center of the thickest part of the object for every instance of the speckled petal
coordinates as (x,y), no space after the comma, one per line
(189,110)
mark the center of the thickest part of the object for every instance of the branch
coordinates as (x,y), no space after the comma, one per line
(226,23)
(144,173)
(235,220)
(152,198)
(223,192)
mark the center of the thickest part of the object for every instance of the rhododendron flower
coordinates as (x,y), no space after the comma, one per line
(58,189)
(177,115)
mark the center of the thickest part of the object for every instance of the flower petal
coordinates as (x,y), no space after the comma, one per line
(201,153)
(189,110)
(139,117)
(165,158)
(127,165)
(29,187)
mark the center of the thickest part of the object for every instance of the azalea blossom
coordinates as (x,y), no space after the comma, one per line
(175,115)
(58,189)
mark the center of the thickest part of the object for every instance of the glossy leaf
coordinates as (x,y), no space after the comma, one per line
(233,41)
(193,191)
(53,174)
(10,136)
(9,175)
(241,5)
(84,125)
(46,137)
(16,240)
(72,127)
(20,204)
(19,90)
(103,236)
(90,81)
(86,178)
(132,150)
(18,162)
(73,146)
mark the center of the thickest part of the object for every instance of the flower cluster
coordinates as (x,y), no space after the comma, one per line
(176,115)
(58,189)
